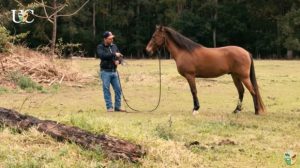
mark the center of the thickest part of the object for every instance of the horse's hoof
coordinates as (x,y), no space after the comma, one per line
(260,113)
(237,111)
(195,112)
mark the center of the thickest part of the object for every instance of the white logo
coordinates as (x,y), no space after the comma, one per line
(22,16)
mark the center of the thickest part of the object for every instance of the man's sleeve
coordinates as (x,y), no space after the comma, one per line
(117,49)
(104,55)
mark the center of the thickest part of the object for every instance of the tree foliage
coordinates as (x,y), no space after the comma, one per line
(268,29)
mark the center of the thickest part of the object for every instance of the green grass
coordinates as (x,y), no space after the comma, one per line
(260,141)
(3,90)
(24,82)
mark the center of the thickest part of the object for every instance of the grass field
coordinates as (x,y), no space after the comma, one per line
(254,141)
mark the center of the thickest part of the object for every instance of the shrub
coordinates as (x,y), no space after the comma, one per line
(24,82)
(65,50)
(5,39)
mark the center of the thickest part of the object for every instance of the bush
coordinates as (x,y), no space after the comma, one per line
(24,82)
(66,50)
(5,39)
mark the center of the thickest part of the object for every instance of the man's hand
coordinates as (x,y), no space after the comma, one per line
(119,54)
(117,62)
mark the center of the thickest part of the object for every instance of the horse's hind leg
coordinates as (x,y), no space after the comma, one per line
(238,84)
(249,86)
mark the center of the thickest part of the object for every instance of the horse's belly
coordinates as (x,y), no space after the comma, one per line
(211,73)
(209,76)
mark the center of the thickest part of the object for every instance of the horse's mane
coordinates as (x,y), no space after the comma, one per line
(181,41)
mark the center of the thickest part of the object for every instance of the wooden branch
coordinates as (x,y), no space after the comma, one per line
(114,148)
(44,4)
(44,7)
(58,10)
(76,10)
(19,3)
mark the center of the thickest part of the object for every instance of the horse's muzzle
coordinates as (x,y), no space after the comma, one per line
(149,51)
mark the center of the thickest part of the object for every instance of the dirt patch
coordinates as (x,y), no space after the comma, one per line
(227,142)
(296,110)
(196,144)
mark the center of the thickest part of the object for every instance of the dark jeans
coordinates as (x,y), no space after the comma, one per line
(113,79)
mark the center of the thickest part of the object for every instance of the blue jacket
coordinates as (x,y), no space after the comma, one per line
(107,55)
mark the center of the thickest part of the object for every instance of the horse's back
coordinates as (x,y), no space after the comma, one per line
(234,51)
(223,60)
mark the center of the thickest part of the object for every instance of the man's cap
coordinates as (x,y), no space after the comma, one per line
(108,34)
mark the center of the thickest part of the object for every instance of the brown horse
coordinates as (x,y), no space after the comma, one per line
(196,61)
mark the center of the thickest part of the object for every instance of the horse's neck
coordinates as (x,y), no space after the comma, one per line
(173,49)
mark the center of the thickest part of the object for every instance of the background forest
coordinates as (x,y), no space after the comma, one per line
(267,28)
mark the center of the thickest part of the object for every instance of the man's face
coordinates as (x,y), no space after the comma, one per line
(108,40)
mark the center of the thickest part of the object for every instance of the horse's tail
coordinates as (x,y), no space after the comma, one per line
(261,105)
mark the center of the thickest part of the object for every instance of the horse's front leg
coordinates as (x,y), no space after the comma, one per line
(192,83)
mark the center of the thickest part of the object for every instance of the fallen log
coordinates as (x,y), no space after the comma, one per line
(114,148)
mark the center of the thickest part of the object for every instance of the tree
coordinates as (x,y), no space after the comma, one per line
(290,27)
(52,12)
(268,29)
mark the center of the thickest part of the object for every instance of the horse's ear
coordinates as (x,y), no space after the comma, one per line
(159,27)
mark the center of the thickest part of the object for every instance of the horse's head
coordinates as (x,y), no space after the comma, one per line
(157,40)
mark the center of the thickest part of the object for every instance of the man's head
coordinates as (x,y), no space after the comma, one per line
(108,37)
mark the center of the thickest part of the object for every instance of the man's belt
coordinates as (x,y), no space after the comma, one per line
(109,70)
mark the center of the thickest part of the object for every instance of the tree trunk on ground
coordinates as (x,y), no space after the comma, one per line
(114,148)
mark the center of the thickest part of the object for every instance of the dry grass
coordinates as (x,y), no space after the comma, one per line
(259,141)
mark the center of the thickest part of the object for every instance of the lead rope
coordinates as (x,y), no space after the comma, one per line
(159,98)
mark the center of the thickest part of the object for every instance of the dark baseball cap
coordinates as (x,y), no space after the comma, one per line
(108,34)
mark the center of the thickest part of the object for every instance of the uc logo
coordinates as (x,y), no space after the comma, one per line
(22,16)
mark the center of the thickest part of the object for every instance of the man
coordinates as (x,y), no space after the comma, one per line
(110,59)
